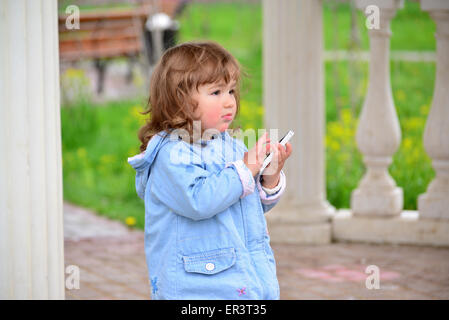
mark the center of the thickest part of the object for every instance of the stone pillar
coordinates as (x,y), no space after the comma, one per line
(31,230)
(294,100)
(378,133)
(435,202)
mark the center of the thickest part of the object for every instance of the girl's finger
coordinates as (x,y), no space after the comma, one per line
(282,152)
(267,147)
(289,149)
(276,152)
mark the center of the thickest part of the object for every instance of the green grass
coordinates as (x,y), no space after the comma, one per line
(97,139)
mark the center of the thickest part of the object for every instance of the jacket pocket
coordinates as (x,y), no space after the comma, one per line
(210,262)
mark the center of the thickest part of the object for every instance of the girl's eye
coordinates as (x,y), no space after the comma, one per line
(218,92)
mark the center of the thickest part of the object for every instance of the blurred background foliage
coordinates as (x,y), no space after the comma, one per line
(99,137)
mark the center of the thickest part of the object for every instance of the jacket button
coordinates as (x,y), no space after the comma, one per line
(210,266)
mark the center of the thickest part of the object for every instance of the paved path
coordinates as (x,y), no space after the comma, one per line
(112,265)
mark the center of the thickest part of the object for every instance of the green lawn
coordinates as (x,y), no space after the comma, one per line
(97,139)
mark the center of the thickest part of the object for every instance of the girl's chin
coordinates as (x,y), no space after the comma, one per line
(224,126)
(220,127)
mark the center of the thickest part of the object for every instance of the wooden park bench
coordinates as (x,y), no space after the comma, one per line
(102,36)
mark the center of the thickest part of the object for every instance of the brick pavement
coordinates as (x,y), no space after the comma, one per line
(112,266)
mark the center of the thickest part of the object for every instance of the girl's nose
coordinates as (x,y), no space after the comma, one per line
(229,102)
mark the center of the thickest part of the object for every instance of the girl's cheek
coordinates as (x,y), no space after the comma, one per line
(213,116)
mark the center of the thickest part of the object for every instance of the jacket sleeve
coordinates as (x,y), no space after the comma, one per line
(269,201)
(182,184)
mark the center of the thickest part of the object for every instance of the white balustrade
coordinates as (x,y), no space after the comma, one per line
(378,133)
(435,202)
(377,214)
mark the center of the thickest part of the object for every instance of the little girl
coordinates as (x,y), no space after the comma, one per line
(205,231)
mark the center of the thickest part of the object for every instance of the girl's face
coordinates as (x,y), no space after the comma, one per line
(216,105)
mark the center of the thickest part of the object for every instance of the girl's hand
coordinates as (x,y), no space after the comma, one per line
(254,158)
(271,174)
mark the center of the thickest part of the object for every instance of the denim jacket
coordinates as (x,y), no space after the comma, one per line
(206,235)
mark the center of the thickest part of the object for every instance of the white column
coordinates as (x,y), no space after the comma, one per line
(294,100)
(31,238)
(378,133)
(435,202)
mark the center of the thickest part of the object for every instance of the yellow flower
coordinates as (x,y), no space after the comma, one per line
(72,73)
(414,123)
(336,130)
(346,116)
(135,112)
(407,143)
(130,221)
(81,152)
(335,145)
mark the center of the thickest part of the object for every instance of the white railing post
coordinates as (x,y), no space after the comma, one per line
(378,133)
(31,230)
(435,202)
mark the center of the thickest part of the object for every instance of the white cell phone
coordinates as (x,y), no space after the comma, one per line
(268,158)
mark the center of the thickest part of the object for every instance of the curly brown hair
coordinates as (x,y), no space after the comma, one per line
(180,70)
